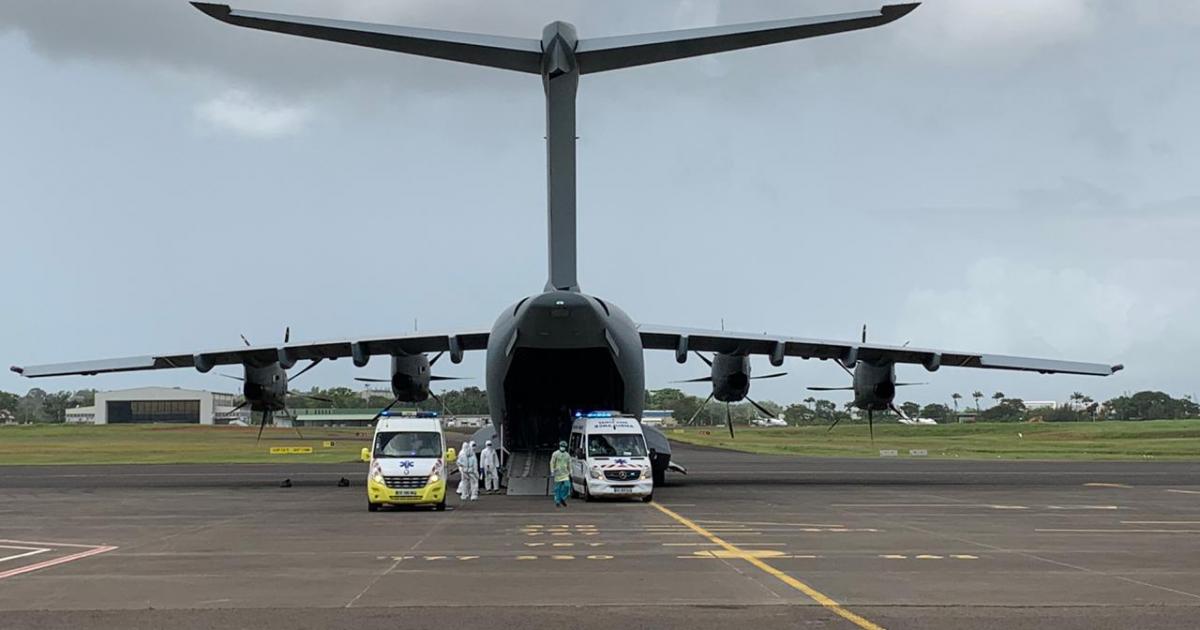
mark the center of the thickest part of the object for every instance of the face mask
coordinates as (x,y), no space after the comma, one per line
(562,449)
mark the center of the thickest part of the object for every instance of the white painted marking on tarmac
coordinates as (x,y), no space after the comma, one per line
(1119,531)
(926,556)
(1183,491)
(963,556)
(94,550)
(1084,507)
(1097,484)
(930,505)
(744,523)
(1160,522)
(29,551)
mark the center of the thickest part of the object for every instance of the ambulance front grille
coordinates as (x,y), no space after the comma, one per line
(408,483)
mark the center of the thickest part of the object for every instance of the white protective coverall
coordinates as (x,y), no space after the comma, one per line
(490,463)
(468,466)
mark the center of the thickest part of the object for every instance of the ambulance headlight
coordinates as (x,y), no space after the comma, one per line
(596,474)
(377,474)
(434,478)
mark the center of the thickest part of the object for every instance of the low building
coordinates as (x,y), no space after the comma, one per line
(146,405)
(659,418)
(1040,404)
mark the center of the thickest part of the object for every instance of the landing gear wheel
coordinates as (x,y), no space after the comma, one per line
(440,506)
(372,507)
(648,498)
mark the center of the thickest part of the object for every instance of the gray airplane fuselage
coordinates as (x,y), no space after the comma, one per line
(555,354)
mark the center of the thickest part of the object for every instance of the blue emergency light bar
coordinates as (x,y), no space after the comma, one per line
(595,414)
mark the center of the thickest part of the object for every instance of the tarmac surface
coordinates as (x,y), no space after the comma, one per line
(743,539)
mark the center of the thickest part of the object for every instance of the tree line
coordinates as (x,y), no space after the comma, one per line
(38,405)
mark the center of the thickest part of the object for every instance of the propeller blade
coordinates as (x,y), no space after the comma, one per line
(310,397)
(702,379)
(909,384)
(450,378)
(239,406)
(236,378)
(760,408)
(363,379)
(441,402)
(843,366)
(295,425)
(244,340)
(436,357)
(864,334)
(830,389)
(385,409)
(287,334)
(699,409)
(729,420)
(261,425)
(898,411)
(775,375)
(835,421)
(871,425)
(306,368)
(703,358)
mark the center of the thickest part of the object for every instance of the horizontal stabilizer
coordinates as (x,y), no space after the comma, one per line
(830,389)
(508,53)
(611,53)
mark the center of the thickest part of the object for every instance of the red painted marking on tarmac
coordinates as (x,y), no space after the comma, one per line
(94,550)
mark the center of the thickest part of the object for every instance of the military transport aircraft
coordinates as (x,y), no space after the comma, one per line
(562,350)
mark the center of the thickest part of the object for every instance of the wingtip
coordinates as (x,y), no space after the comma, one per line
(897,11)
(1118,367)
(18,369)
(218,11)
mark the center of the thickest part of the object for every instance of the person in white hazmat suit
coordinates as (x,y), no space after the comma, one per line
(468,467)
(489,461)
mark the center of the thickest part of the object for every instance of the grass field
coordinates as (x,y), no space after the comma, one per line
(173,444)
(1157,439)
(162,444)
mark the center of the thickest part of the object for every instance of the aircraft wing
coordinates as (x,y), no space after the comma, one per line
(683,340)
(360,349)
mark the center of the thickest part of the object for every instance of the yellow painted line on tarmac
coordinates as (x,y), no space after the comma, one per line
(811,592)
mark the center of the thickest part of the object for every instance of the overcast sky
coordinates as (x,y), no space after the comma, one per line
(1012,177)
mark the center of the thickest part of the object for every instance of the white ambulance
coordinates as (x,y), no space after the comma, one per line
(609,458)
(409,462)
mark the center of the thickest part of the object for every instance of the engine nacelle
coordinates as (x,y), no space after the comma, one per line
(874,385)
(730,377)
(410,377)
(265,387)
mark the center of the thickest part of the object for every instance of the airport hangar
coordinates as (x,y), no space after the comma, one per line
(146,405)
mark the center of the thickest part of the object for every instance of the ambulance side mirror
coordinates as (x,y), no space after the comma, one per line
(451,456)
(365,455)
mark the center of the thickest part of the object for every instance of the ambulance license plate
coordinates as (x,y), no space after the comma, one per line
(405,493)
(622,490)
